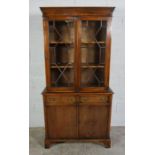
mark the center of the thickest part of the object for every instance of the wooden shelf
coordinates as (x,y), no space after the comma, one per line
(92,66)
(87,44)
(61,43)
(62,84)
(90,42)
(91,84)
(62,66)
(82,66)
(93,42)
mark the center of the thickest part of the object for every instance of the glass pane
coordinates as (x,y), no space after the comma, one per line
(61,40)
(93,45)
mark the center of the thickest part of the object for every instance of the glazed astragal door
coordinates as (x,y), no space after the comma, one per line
(77,53)
(93,54)
(61,52)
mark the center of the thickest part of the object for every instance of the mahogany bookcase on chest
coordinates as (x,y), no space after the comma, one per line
(77,98)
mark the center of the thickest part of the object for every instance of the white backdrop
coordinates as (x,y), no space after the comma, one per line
(37,69)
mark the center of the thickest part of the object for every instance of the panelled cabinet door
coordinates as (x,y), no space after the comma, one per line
(61,117)
(93,42)
(60,52)
(93,117)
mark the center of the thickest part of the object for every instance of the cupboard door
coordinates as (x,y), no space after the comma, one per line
(60,47)
(93,120)
(93,53)
(61,117)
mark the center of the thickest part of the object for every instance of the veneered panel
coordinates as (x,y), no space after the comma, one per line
(93,121)
(62,122)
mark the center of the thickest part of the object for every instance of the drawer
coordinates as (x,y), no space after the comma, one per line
(98,98)
(94,100)
(60,100)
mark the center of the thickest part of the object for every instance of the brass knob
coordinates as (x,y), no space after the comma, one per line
(71,100)
(51,99)
(103,99)
(84,99)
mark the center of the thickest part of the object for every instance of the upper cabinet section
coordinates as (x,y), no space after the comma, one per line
(77,45)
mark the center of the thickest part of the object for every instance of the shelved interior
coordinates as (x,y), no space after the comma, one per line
(93,43)
(62,51)
(61,47)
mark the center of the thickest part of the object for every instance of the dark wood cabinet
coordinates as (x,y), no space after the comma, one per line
(77,97)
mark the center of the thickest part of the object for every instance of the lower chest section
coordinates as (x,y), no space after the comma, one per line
(77,116)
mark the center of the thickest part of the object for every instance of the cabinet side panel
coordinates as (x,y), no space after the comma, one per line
(108,53)
(46,50)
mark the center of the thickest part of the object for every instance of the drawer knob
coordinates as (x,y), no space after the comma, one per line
(71,100)
(51,99)
(103,99)
(84,99)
